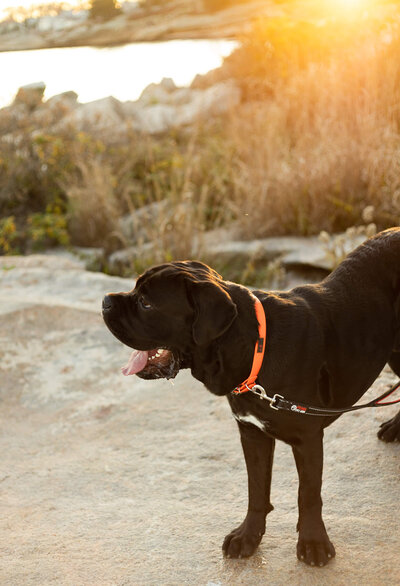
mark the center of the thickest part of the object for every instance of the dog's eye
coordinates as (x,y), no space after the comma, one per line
(144,304)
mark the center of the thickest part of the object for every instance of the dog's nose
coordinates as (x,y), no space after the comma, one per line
(107,303)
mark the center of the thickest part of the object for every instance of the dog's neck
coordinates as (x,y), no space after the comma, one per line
(227,361)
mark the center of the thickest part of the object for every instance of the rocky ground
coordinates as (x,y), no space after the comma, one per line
(114,481)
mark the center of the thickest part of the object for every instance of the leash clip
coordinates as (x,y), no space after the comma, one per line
(262,394)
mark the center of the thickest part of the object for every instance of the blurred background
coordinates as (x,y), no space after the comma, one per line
(262,137)
(140,132)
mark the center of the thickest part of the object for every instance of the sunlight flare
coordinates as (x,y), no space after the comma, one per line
(350,6)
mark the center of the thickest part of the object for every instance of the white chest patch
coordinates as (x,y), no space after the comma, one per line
(248,418)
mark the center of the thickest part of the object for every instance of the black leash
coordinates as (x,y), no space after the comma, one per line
(279,403)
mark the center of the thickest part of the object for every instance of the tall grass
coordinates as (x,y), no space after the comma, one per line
(323,141)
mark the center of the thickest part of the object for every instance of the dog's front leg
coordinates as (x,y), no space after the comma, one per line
(313,547)
(258,451)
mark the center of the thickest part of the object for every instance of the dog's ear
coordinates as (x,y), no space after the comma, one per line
(215,311)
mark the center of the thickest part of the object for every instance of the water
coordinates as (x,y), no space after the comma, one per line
(122,72)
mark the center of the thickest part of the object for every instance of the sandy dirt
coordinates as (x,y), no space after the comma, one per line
(107,480)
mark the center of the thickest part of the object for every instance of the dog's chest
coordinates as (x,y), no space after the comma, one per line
(251,413)
(251,419)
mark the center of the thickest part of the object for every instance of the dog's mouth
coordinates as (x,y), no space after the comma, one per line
(157,363)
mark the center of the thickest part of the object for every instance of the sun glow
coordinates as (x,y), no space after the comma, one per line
(347,6)
(350,4)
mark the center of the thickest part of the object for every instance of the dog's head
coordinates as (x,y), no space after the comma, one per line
(174,308)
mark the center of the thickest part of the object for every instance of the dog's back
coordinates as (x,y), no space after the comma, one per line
(357,312)
(375,263)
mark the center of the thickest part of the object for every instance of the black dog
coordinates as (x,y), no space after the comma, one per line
(325,346)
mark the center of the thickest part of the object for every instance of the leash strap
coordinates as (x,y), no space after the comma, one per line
(278,402)
(281,404)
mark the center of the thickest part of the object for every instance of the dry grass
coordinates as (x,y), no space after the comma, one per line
(93,207)
(324,146)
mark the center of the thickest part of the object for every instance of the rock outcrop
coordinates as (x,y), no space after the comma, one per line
(30,95)
(159,108)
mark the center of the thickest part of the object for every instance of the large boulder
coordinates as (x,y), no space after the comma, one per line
(293,251)
(105,114)
(127,260)
(212,101)
(134,226)
(162,106)
(30,95)
(154,119)
(55,109)
(156,93)
(67,100)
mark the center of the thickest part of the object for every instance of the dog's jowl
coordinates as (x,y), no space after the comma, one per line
(325,346)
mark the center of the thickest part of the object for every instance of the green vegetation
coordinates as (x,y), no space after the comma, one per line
(8,235)
(315,141)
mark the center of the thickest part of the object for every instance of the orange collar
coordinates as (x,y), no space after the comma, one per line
(250,381)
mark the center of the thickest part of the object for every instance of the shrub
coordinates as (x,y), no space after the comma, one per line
(8,236)
(104,9)
(48,229)
(93,207)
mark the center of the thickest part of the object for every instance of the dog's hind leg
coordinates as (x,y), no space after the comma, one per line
(258,451)
(389,431)
(313,547)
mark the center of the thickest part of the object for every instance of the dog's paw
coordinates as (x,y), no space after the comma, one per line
(390,430)
(243,541)
(316,552)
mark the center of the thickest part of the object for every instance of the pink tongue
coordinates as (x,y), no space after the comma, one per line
(136,363)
